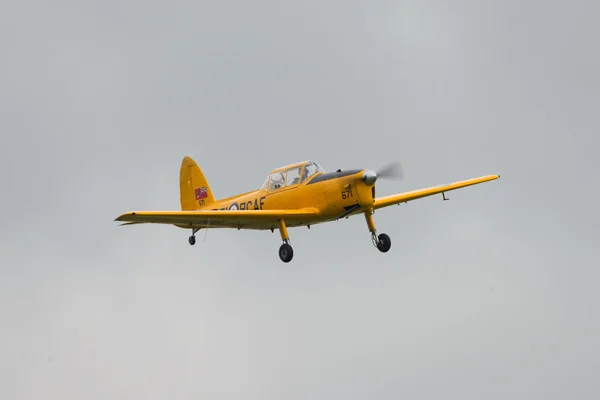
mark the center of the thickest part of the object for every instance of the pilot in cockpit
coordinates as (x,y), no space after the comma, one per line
(297,178)
(304,174)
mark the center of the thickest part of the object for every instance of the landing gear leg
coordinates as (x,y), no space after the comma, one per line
(192,239)
(381,241)
(285,251)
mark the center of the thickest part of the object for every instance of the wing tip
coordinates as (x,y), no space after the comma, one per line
(122,216)
(489,177)
(486,178)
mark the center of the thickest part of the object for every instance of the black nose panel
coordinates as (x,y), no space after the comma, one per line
(333,175)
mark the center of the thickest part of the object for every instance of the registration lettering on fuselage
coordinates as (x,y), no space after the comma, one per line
(246,205)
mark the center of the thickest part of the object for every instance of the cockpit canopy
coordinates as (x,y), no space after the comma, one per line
(291,175)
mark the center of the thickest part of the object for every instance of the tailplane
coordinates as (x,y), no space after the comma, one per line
(193,187)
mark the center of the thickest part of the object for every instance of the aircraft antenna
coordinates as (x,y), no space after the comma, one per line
(206,233)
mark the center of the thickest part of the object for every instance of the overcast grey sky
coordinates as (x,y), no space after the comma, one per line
(492,294)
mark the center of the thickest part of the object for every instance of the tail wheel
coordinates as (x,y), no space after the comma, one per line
(286,253)
(192,240)
(384,242)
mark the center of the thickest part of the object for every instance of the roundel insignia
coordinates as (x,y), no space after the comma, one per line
(234,206)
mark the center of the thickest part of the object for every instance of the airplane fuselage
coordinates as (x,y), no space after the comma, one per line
(334,194)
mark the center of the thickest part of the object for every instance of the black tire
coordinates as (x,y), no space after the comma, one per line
(192,240)
(384,242)
(286,253)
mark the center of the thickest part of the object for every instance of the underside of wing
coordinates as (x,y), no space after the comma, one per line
(417,194)
(239,219)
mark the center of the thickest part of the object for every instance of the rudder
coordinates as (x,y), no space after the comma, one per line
(193,188)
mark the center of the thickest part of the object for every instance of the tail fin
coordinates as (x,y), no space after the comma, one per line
(193,188)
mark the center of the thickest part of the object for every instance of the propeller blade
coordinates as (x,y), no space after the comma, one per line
(391,171)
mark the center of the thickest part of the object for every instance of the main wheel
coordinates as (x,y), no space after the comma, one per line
(192,240)
(384,242)
(286,252)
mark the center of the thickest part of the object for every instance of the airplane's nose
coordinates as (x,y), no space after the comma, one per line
(369,177)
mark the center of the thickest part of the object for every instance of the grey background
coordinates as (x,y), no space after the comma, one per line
(492,295)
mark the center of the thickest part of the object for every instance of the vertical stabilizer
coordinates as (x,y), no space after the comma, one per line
(193,187)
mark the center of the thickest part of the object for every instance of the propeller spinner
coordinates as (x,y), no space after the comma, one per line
(389,171)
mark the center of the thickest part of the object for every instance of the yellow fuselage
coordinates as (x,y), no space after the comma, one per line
(334,194)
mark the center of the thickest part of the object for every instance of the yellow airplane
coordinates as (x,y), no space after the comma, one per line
(300,194)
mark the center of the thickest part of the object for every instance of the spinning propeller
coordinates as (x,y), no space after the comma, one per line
(390,171)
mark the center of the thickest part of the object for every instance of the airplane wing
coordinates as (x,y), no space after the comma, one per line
(249,219)
(420,193)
